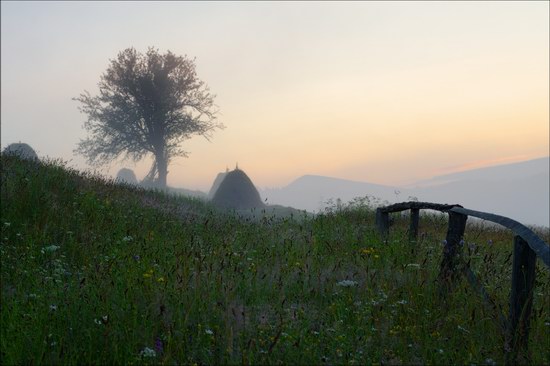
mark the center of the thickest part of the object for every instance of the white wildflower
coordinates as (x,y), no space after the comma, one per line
(127,238)
(347,283)
(209,332)
(463,329)
(53,307)
(148,352)
(50,249)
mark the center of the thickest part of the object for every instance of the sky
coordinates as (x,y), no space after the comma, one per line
(380,92)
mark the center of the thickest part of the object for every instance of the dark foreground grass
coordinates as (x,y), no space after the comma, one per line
(98,273)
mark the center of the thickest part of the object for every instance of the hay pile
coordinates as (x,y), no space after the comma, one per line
(216,184)
(126,175)
(22,150)
(237,191)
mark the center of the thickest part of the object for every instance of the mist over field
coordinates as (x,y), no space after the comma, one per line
(519,190)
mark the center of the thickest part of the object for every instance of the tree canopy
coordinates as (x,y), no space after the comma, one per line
(147,104)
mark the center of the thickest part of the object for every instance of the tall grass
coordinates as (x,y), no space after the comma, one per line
(94,272)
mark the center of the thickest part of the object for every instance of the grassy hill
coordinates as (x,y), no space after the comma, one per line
(98,273)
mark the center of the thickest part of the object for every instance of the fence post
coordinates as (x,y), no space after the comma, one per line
(452,246)
(383,223)
(521,300)
(413,227)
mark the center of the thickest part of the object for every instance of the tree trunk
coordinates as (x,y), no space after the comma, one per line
(162,169)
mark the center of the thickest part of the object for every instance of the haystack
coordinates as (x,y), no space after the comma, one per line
(126,175)
(216,184)
(22,150)
(237,191)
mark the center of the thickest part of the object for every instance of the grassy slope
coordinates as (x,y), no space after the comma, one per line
(93,272)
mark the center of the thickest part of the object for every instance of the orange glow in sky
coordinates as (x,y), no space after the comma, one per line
(384,92)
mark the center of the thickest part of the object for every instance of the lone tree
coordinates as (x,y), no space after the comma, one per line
(147,104)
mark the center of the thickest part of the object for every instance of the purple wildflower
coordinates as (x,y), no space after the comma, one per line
(159,346)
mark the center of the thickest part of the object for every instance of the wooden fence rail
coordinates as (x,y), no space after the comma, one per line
(527,247)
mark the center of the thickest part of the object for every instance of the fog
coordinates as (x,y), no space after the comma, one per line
(519,191)
(380,97)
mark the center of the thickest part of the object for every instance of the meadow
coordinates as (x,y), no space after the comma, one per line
(95,272)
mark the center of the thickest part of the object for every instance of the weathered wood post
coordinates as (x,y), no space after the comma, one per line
(383,223)
(452,248)
(413,227)
(521,301)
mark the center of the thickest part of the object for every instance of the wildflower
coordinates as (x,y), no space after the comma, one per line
(160,279)
(347,283)
(209,332)
(159,346)
(148,352)
(368,251)
(98,322)
(53,307)
(127,238)
(376,256)
(402,302)
(440,351)
(50,249)
(148,274)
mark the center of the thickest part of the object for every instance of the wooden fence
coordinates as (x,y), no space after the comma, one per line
(527,247)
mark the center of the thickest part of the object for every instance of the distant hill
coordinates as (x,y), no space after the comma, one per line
(519,191)
(311,192)
(512,171)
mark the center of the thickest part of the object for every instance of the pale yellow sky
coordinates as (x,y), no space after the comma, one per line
(384,92)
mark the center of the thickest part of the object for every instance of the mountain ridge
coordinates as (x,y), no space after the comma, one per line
(518,190)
